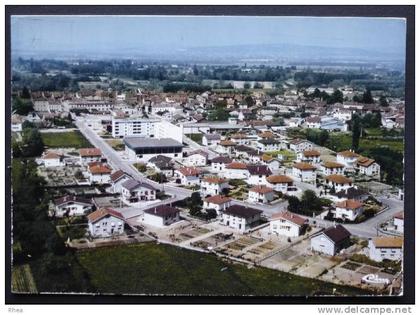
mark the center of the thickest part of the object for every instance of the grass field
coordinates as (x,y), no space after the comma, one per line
(22,279)
(163,269)
(342,141)
(197,137)
(70,139)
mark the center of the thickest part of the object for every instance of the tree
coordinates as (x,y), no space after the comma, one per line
(25,93)
(310,202)
(22,107)
(383,101)
(367,97)
(336,97)
(32,144)
(247,86)
(323,137)
(249,100)
(294,204)
(356,131)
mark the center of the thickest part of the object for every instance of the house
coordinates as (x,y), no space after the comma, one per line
(134,191)
(161,216)
(241,218)
(299,145)
(338,182)
(305,172)
(368,167)
(52,159)
(213,185)
(268,145)
(240,138)
(261,194)
(99,173)
(212,139)
(243,151)
(348,158)
(236,170)
(399,222)
(386,247)
(331,168)
(313,122)
(217,202)
(258,174)
(89,155)
(331,240)
(348,210)
(333,124)
(162,164)
(188,176)
(219,163)
(71,205)
(287,224)
(309,156)
(281,183)
(196,158)
(17,122)
(226,147)
(105,222)
(273,164)
(117,178)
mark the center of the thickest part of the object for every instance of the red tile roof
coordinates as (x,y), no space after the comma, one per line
(217,199)
(289,216)
(90,152)
(349,204)
(102,213)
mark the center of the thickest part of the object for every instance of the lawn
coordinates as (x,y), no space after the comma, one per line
(22,279)
(163,269)
(197,137)
(116,144)
(70,139)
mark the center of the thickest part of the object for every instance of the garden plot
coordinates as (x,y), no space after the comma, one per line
(190,234)
(213,240)
(239,246)
(260,251)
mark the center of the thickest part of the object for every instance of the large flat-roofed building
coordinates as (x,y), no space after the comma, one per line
(151,128)
(143,149)
(122,127)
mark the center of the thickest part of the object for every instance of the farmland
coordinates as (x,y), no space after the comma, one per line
(68,139)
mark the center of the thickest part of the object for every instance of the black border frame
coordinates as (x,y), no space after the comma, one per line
(401,11)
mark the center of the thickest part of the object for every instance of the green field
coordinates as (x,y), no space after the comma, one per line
(68,139)
(342,141)
(162,269)
(197,137)
(22,279)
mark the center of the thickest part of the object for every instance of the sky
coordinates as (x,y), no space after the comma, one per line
(81,34)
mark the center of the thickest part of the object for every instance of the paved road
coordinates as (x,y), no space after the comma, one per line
(115,160)
(197,146)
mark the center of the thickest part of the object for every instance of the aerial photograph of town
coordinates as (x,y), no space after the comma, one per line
(207,155)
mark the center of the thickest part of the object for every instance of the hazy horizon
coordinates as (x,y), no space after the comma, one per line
(194,35)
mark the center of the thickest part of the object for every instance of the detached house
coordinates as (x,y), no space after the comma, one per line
(105,222)
(71,205)
(305,172)
(348,159)
(273,164)
(261,194)
(331,240)
(236,170)
(217,202)
(240,218)
(134,191)
(117,178)
(348,210)
(99,173)
(281,183)
(188,176)
(219,163)
(196,158)
(211,139)
(52,159)
(287,224)
(338,182)
(90,155)
(226,147)
(213,185)
(268,145)
(162,164)
(299,145)
(368,167)
(161,216)
(399,222)
(386,247)
(331,168)
(258,174)
(309,156)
